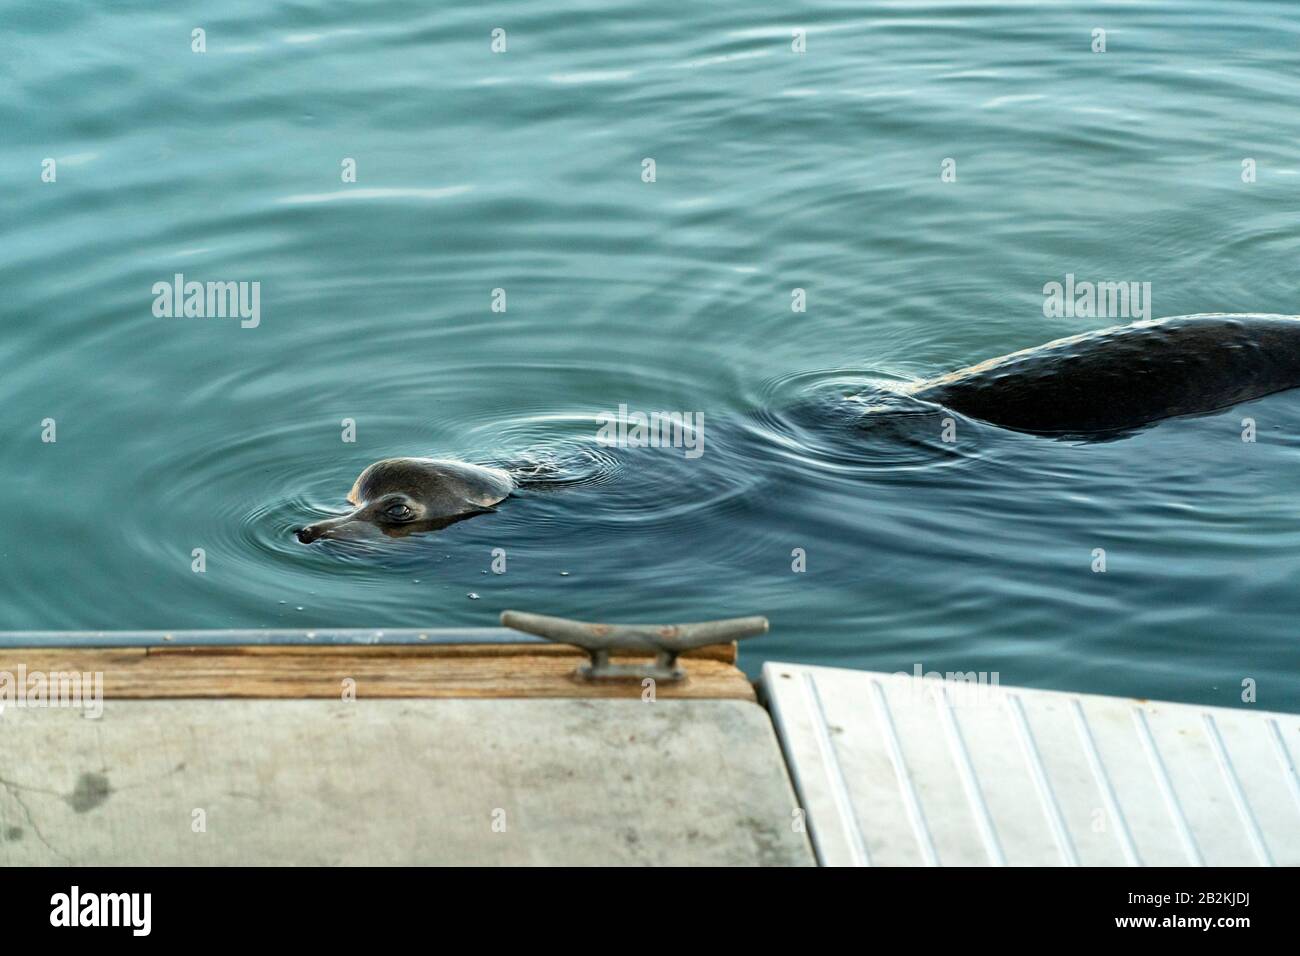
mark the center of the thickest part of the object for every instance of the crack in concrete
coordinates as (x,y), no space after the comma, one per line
(14,790)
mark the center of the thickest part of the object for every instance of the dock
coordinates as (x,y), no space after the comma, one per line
(386,748)
(493,747)
(896,770)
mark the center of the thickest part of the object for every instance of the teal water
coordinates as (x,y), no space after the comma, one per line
(522,171)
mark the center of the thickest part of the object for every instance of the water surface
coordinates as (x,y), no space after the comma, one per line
(522,171)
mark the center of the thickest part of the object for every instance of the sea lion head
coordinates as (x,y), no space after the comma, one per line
(402,496)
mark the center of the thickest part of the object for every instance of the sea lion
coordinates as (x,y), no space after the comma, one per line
(1096,385)
(401,496)
(1118,379)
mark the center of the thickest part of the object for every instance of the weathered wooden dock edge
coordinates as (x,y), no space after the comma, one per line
(193,665)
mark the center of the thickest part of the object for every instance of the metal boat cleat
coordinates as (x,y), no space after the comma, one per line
(666,641)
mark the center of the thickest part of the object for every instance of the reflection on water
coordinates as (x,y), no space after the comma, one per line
(522,171)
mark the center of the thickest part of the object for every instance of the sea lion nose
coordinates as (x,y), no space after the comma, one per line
(308,534)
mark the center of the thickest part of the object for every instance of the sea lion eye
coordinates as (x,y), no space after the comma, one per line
(398,512)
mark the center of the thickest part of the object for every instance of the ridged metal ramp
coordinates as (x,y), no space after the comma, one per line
(893,769)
